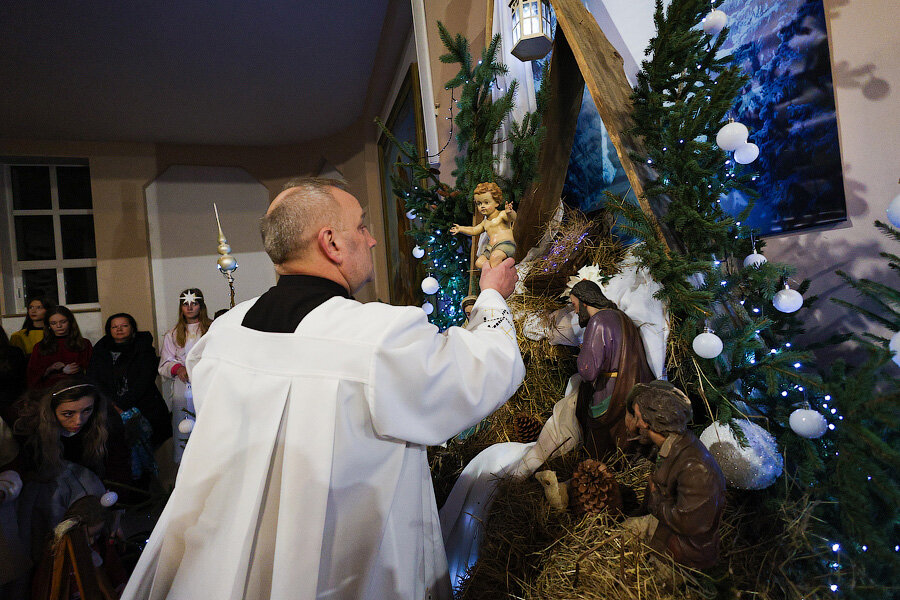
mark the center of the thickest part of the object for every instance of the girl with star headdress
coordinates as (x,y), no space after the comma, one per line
(193,322)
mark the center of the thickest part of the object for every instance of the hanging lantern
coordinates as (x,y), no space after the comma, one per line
(533,23)
(788,300)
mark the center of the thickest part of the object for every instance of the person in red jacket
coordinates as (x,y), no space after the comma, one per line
(62,352)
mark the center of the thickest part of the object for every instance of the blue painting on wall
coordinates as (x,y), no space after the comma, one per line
(788,104)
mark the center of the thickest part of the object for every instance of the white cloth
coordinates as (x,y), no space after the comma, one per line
(306,474)
(177,393)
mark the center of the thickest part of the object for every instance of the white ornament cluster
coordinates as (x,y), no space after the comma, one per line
(732,137)
(751,467)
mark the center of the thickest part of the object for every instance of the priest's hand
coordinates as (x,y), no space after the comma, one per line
(502,278)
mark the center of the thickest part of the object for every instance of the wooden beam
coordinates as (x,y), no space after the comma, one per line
(560,119)
(603,70)
(489,23)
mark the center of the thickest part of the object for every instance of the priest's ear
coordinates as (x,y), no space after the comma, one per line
(331,245)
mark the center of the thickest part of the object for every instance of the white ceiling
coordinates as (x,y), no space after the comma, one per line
(214,72)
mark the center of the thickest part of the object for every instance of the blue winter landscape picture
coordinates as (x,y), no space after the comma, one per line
(788,105)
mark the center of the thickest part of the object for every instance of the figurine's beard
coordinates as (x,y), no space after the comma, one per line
(583,316)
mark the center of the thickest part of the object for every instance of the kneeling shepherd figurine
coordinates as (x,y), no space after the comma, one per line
(686,492)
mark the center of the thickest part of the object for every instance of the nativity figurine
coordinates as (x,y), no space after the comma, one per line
(685,496)
(498,224)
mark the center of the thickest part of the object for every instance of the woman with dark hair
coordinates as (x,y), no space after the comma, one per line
(123,365)
(67,447)
(62,352)
(12,374)
(193,322)
(32,330)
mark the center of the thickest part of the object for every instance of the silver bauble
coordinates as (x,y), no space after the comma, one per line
(751,467)
(754,260)
(714,22)
(732,135)
(428,307)
(788,300)
(808,423)
(746,153)
(707,344)
(186,426)
(893,211)
(430,285)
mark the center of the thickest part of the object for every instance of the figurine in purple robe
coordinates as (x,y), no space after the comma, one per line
(611,361)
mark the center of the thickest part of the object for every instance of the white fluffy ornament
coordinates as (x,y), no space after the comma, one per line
(428,307)
(732,136)
(754,260)
(746,153)
(707,344)
(808,423)
(109,498)
(430,285)
(753,467)
(186,426)
(894,347)
(788,300)
(418,252)
(893,211)
(714,22)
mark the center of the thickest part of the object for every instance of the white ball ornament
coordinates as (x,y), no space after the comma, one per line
(746,153)
(428,307)
(418,252)
(893,211)
(808,423)
(754,260)
(109,498)
(186,426)
(894,347)
(788,300)
(707,344)
(430,285)
(411,215)
(714,22)
(751,467)
(732,136)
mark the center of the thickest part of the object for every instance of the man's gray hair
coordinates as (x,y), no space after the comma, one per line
(664,407)
(289,228)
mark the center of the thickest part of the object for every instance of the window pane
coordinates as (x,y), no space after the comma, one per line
(77,232)
(41,282)
(81,285)
(74,186)
(30,187)
(34,238)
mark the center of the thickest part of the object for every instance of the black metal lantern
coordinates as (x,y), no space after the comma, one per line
(533,22)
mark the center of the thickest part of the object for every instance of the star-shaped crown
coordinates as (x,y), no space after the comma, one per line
(190,298)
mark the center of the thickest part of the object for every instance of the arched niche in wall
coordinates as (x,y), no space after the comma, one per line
(183,237)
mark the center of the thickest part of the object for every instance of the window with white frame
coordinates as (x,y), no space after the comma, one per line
(47,224)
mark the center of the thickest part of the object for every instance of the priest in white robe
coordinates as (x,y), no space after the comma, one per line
(306,473)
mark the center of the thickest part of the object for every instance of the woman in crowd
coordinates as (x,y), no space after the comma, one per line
(123,365)
(32,330)
(62,352)
(68,444)
(12,375)
(193,322)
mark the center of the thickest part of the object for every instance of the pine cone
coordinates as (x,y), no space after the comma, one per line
(593,489)
(527,427)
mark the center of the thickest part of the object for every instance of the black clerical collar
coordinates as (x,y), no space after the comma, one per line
(281,309)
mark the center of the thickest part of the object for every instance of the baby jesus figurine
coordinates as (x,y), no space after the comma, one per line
(497,223)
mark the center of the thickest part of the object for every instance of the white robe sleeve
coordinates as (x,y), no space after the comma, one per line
(168,355)
(426,387)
